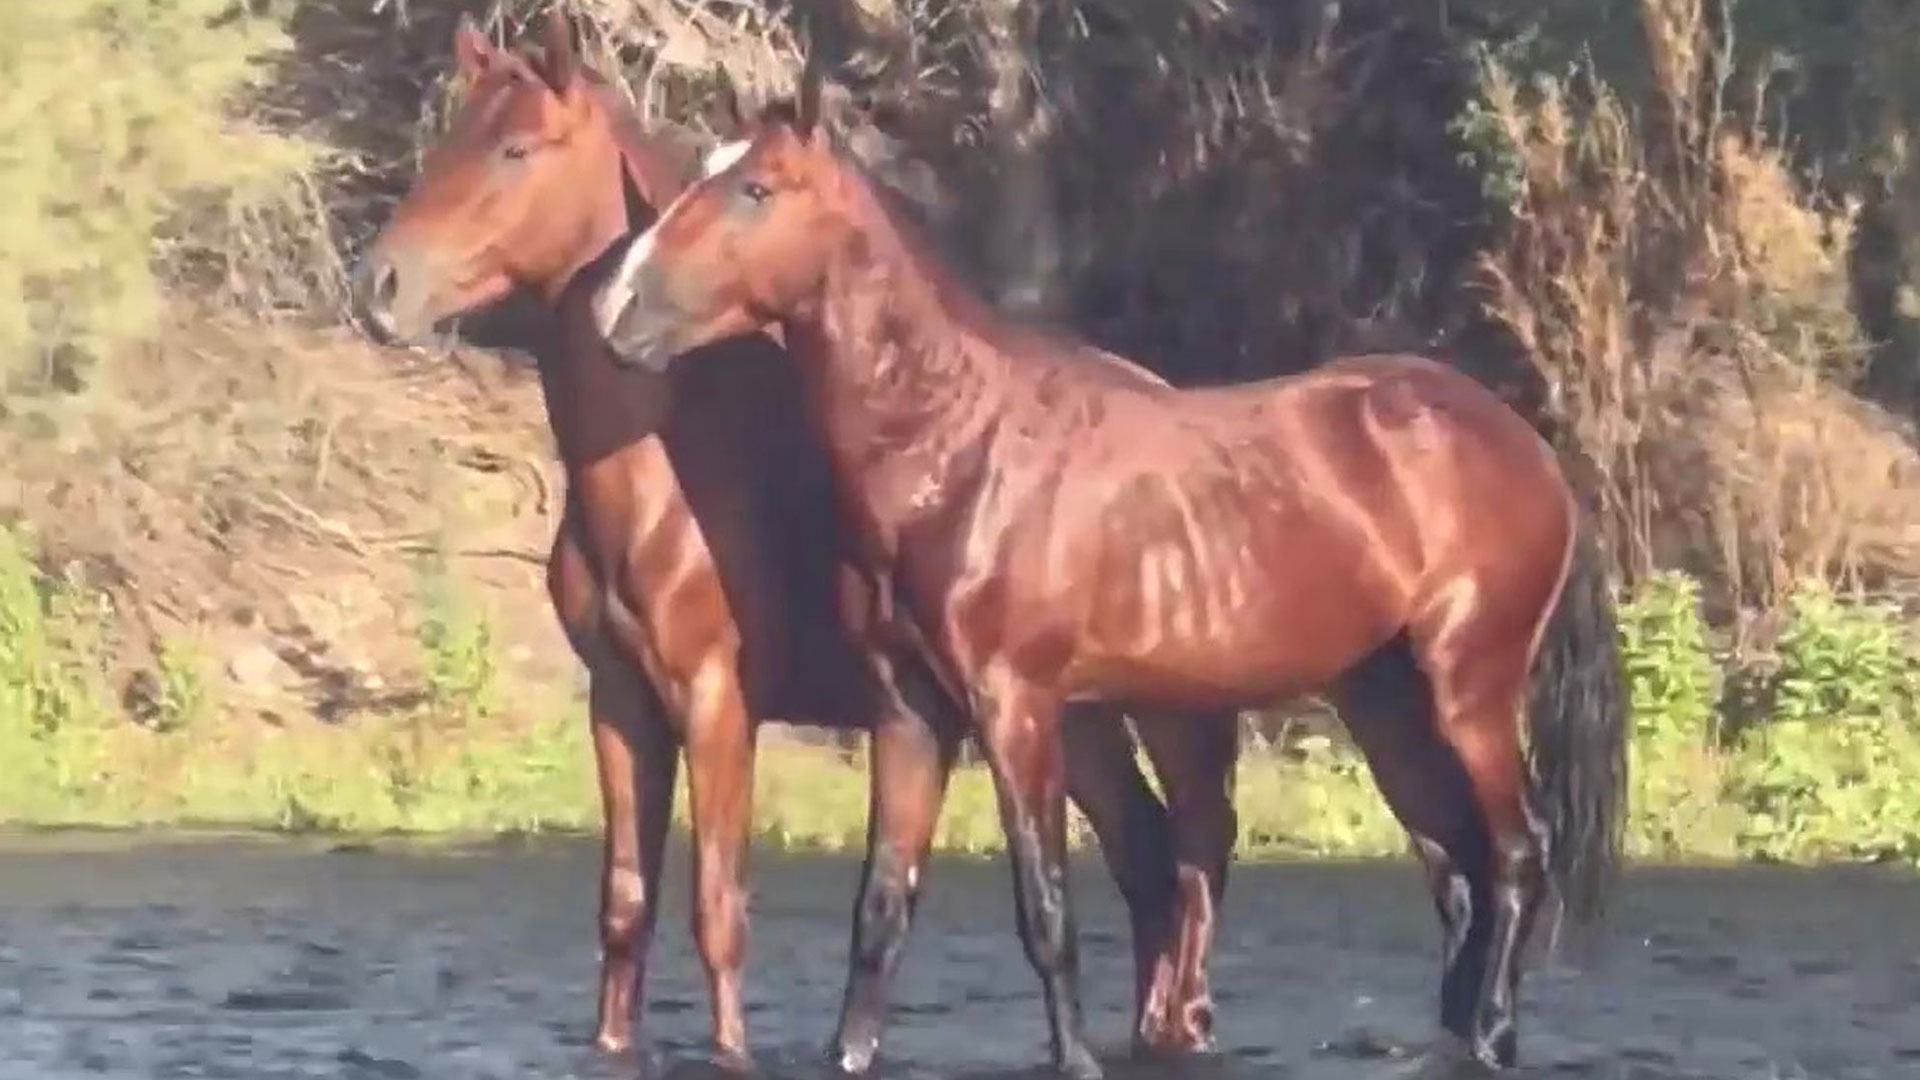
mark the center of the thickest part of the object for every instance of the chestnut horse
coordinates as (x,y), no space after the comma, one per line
(1058,530)
(697,572)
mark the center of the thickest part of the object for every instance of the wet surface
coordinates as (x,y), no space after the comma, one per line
(267,960)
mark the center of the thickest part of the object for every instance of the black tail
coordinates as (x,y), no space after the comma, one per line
(1578,736)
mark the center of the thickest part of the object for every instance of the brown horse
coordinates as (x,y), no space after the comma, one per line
(1057,530)
(696,570)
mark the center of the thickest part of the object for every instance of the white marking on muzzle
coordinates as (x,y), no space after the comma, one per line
(617,293)
(721,157)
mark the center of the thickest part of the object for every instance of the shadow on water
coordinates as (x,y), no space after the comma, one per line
(231,958)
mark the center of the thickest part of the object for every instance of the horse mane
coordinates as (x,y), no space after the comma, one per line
(881,209)
(664,157)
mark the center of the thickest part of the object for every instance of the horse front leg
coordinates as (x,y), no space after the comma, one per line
(635,755)
(719,749)
(916,737)
(1020,730)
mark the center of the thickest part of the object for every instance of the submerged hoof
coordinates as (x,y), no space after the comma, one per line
(1448,1058)
(853,1058)
(1078,1063)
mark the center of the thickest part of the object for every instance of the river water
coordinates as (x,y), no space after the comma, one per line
(269,959)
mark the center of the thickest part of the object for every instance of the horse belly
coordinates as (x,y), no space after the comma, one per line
(1244,632)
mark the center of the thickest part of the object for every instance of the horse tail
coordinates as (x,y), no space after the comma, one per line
(1577,728)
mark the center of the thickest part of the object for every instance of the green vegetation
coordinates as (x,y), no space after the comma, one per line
(1822,773)
(213,606)
(118,127)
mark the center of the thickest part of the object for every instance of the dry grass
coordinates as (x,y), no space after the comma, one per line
(273,495)
(1685,301)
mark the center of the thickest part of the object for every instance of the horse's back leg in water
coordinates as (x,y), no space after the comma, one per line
(916,738)
(1130,824)
(1478,658)
(1019,730)
(1386,704)
(1446,754)
(1194,757)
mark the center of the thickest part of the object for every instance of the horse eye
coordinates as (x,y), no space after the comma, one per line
(755,190)
(515,151)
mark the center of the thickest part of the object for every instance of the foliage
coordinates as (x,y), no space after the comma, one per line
(1671,674)
(1676,767)
(1830,775)
(116,122)
(456,639)
(1843,659)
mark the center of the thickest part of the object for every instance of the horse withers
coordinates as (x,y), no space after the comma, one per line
(1382,527)
(696,569)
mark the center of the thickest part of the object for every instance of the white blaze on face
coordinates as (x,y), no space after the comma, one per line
(723,156)
(617,293)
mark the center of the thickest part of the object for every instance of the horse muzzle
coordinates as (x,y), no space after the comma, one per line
(631,319)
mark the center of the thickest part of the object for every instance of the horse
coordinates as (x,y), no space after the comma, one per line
(695,573)
(1056,530)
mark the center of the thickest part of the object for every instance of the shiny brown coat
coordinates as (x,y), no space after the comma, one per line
(698,570)
(1059,530)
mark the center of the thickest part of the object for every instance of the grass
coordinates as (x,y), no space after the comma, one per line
(1817,768)
(248,492)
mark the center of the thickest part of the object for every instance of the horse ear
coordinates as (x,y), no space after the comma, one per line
(472,52)
(559,62)
(725,115)
(807,113)
(811,73)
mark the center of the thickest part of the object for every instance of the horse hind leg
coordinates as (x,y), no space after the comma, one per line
(1018,725)
(1130,824)
(1387,705)
(916,738)
(1479,656)
(1194,757)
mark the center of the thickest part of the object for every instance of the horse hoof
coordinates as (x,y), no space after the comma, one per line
(1164,1049)
(1078,1063)
(612,1042)
(1448,1058)
(732,1062)
(852,1058)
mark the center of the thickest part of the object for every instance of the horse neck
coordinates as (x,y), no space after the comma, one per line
(593,406)
(902,361)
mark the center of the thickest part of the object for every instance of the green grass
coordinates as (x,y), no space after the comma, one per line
(411,774)
(1825,773)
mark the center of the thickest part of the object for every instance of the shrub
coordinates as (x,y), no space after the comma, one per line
(115,121)
(1676,807)
(456,640)
(1830,774)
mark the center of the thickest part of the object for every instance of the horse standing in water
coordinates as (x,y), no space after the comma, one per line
(698,571)
(1057,530)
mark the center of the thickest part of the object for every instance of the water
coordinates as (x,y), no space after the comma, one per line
(265,960)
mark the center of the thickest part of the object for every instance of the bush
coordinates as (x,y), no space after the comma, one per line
(115,122)
(1676,807)
(1830,774)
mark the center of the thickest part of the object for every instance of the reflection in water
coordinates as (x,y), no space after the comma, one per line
(261,960)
